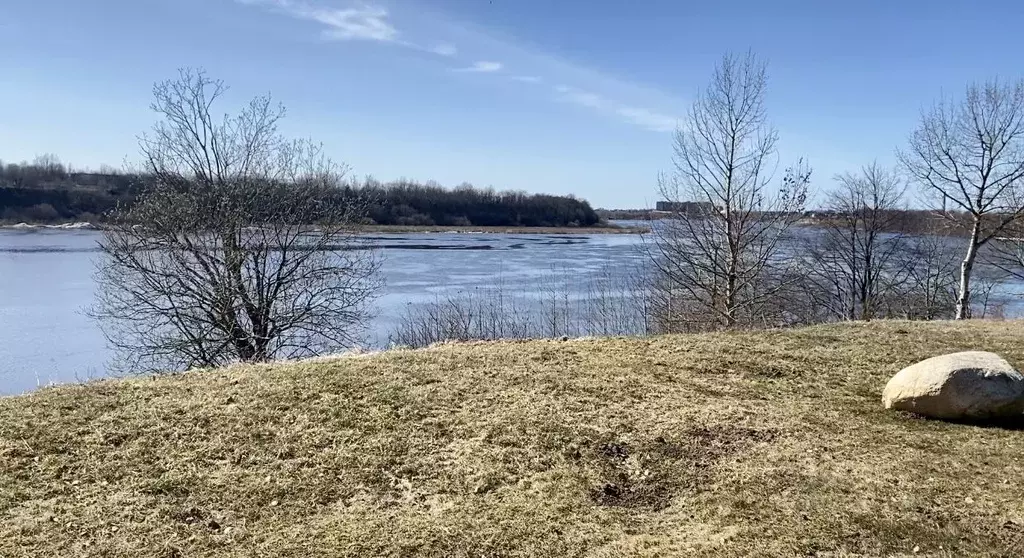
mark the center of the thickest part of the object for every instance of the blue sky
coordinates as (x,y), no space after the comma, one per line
(566,96)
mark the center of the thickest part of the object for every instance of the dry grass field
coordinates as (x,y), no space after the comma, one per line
(733,444)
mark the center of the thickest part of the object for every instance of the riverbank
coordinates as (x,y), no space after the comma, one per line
(74,226)
(433,229)
(767,444)
(392,229)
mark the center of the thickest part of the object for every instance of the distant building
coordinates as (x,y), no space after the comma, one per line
(686,207)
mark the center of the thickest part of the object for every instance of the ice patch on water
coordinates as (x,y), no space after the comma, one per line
(81,225)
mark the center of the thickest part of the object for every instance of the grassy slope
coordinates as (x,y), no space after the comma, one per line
(728,444)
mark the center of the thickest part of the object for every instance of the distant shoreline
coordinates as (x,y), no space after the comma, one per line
(440,229)
(384,229)
(74,226)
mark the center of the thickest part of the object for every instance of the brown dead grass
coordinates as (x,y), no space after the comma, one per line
(752,444)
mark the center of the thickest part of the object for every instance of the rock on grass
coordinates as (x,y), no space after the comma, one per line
(971,385)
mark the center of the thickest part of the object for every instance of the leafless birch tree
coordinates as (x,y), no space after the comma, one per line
(238,249)
(716,254)
(969,154)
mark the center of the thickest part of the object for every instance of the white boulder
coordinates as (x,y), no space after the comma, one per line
(968,385)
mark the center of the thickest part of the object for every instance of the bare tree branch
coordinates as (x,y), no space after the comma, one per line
(855,260)
(971,153)
(720,250)
(238,250)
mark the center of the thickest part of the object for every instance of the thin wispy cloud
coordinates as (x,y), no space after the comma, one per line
(483,67)
(582,98)
(367,23)
(646,118)
(600,93)
(361,23)
(649,119)
(603,94)
(445,49)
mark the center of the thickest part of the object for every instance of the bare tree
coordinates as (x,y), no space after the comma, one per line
(1007,254)
(929,291)
(855,260)
(238,250)
(717,252)
(970,155)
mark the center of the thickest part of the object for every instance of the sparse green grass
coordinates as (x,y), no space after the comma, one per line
(745,444)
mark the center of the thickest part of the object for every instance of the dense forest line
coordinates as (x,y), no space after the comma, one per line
(45,191)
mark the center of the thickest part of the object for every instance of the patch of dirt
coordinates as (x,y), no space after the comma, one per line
(647,475)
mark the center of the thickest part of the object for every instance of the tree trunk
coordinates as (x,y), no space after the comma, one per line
(963,300)
(854,282)
(867,283)
(732,259)
(242,338)
(730,298)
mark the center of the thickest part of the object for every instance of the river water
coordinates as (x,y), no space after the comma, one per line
(46,285)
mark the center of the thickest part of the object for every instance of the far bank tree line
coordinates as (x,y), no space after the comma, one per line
(918,221)
(45,191)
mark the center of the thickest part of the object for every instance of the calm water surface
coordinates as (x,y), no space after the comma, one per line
(46,285)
